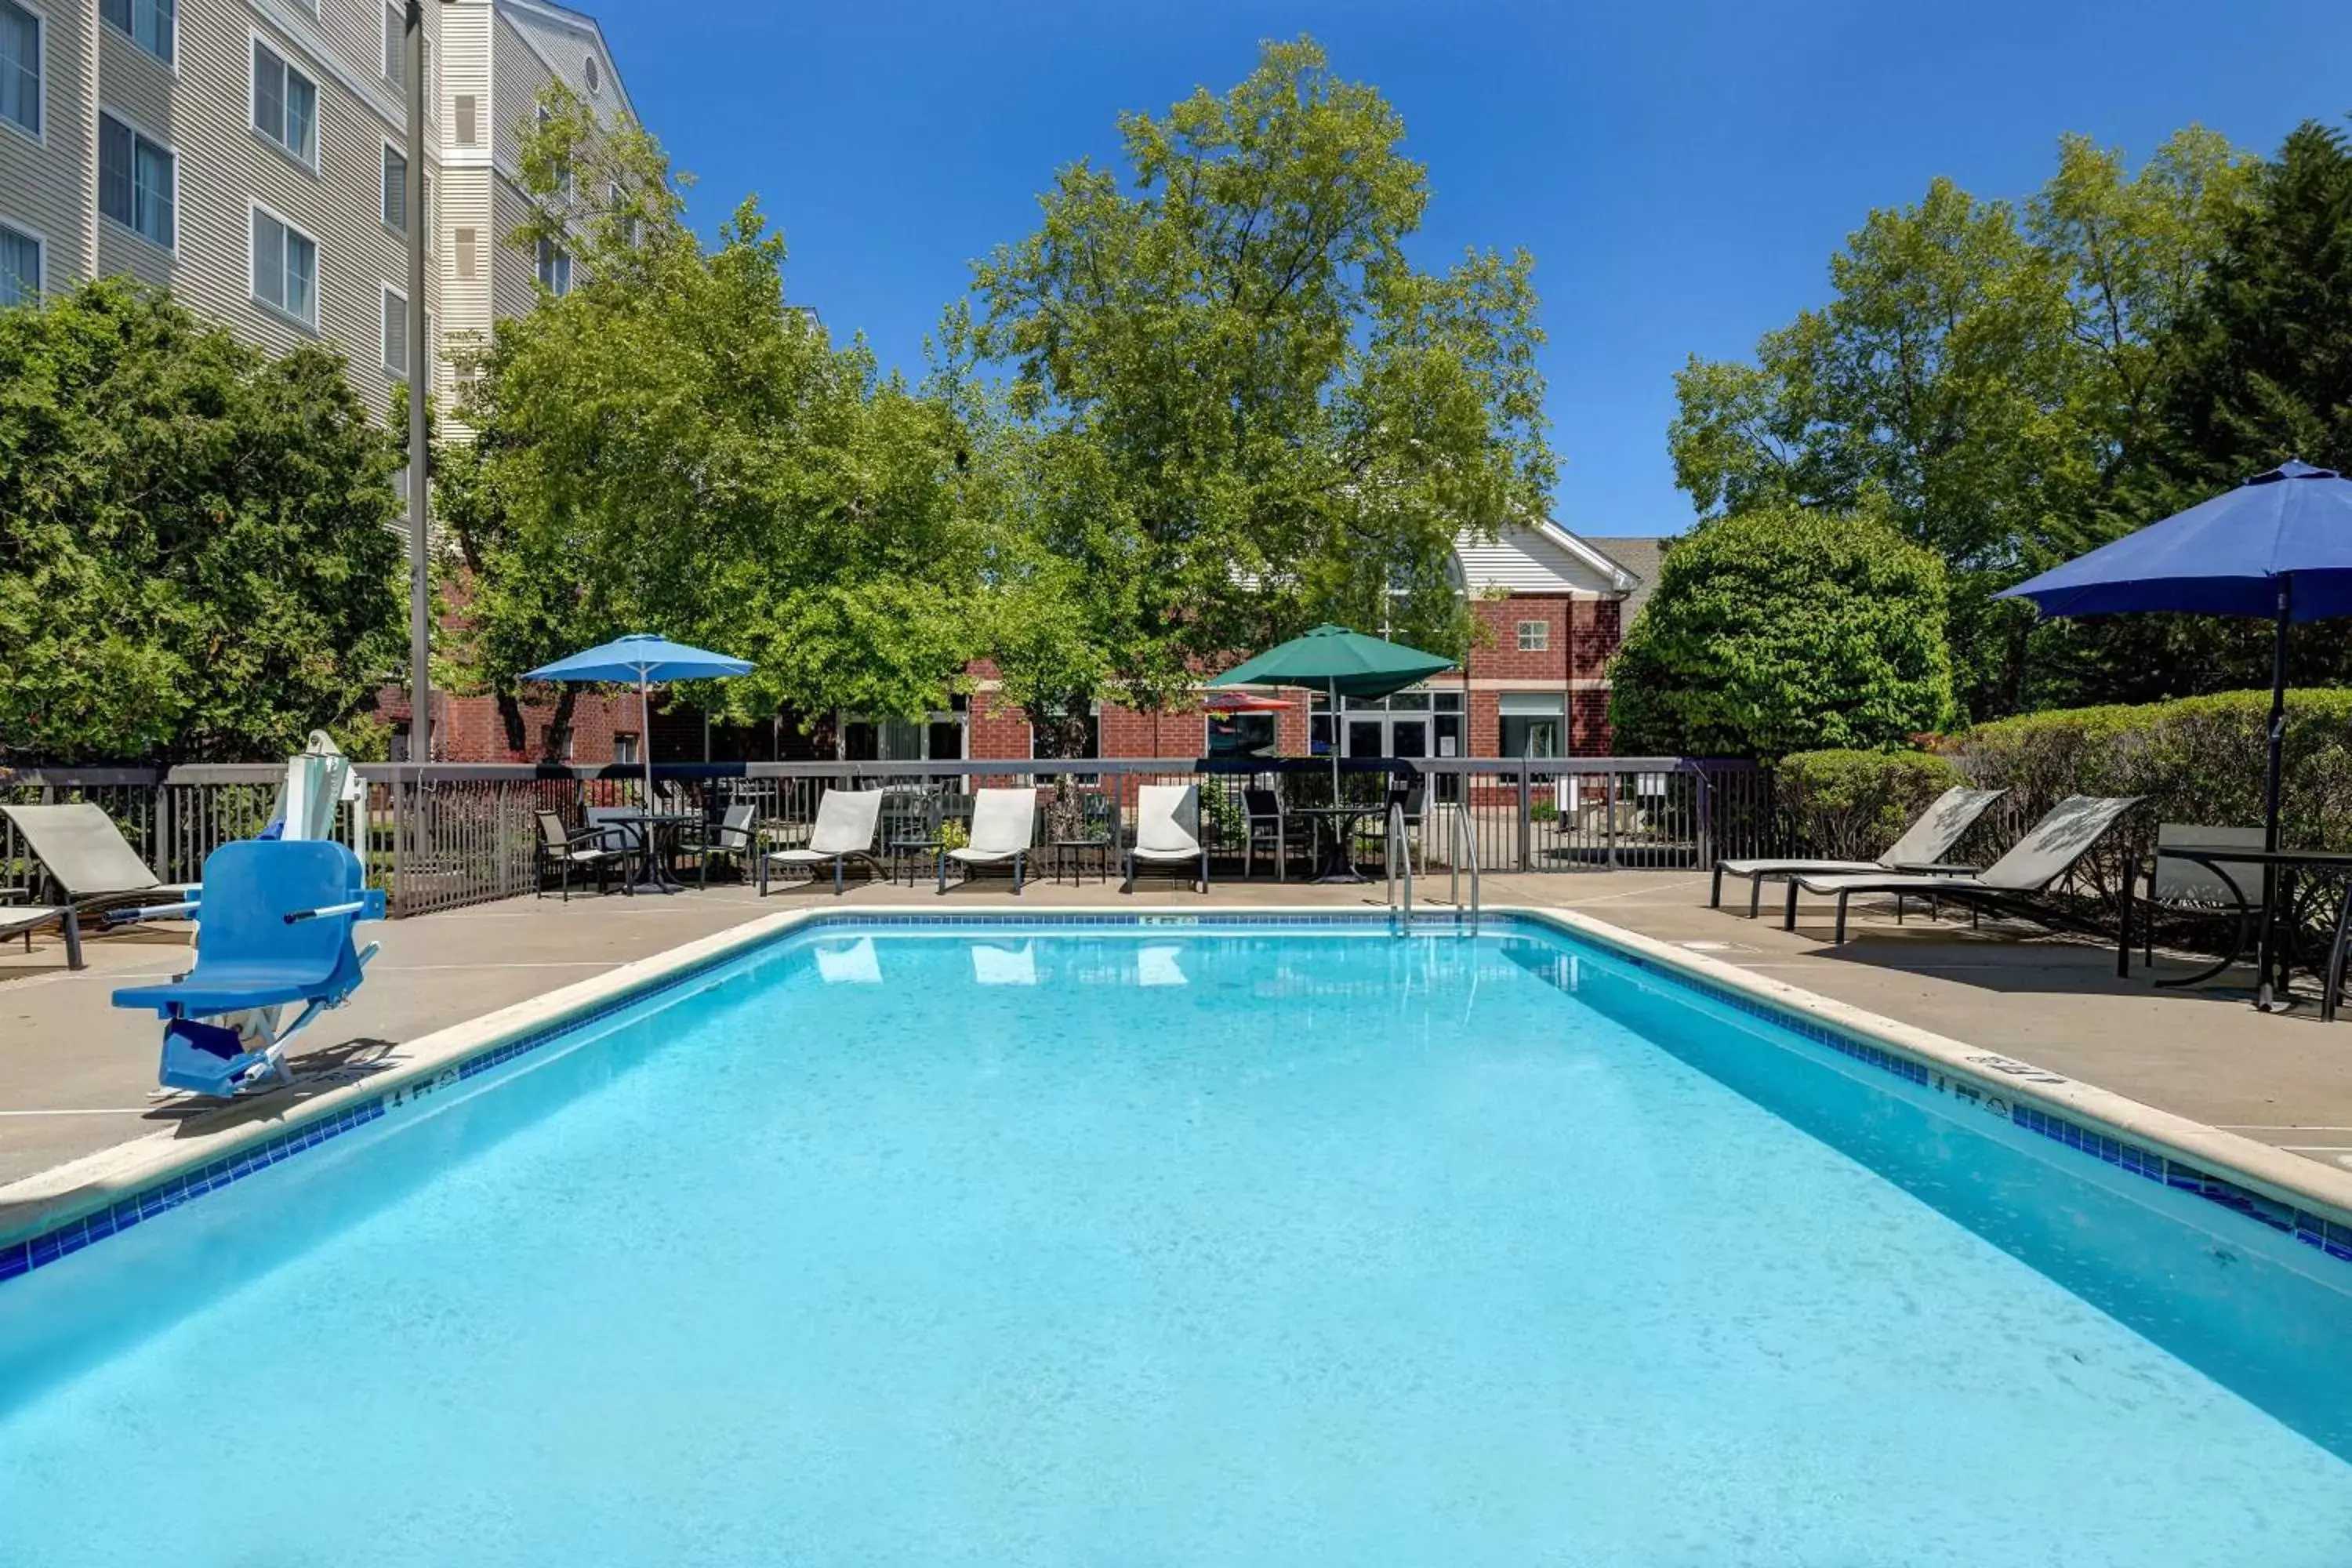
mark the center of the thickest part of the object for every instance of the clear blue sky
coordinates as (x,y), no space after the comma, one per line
(1681,171)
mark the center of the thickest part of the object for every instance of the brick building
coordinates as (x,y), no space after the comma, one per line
(1552,607)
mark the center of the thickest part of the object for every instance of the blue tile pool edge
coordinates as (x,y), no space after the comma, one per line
(258,1150)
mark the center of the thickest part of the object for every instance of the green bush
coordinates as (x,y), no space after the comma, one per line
(2197,759)
(1781,630)
(1850,805)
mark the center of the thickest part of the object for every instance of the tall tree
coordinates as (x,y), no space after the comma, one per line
(671,446)
(196,554)
(1998,375)
(1240,409)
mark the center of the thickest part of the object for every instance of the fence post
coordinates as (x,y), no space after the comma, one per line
(1609,814)
(1706,815)
(1526,858)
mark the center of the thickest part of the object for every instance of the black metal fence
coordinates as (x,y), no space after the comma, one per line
(446,836)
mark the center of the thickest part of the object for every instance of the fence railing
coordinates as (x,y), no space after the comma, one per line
(445,835)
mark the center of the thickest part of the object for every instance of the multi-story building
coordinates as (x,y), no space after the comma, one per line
(252,155)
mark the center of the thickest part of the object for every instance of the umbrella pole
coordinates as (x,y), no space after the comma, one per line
(645,733)
(1335,740)
(2273,765)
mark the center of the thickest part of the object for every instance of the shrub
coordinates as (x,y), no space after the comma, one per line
(2197,759)
(1850,805)
(1783,630)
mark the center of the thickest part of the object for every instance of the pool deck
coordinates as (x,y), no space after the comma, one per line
(77,1076)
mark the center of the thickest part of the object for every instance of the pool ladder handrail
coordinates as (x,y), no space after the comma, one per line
(1463,836)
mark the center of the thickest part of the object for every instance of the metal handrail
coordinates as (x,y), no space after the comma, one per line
(1396,847)
(1465,834)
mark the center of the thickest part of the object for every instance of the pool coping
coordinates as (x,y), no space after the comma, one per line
(57,1212)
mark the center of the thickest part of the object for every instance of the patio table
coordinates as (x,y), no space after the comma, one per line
(657,834)
(1338,864)
(2270,961)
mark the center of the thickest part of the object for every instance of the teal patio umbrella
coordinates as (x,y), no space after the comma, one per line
(1343,664)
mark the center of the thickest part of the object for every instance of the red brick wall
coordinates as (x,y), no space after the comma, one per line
(472,730)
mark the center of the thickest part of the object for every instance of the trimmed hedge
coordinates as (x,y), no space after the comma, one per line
(1850,805)
(2197,759)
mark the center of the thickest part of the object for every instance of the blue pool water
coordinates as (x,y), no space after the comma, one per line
(1165,1248)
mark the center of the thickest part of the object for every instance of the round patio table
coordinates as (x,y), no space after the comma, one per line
(657,834)
(1338,864)
(2270,961)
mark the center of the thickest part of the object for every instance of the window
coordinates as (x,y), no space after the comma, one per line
(1535,636)
(1532,723)
(559,742)
(554,268)
(625,746)
(138,182)
(285,268)
(465,110)
(395,189)
(396,55)
(20,266)
(285,104)
(395,331)
(589,73)
(149,24)
(1241,735)
(20,66)
(466,244)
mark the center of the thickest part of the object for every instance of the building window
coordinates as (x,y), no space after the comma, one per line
(137,181)
(149,24)
(20,266)
(395,331)
(1535,636)
(285,268)
(589,72)
(464,113)
(466,243)
(554,268)
(625,746)
(395,57)
(395,189)
(558,742)
(20,66)
(1532,724)
(285,104)
(1241,735)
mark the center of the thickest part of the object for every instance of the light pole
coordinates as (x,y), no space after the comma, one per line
(420,582)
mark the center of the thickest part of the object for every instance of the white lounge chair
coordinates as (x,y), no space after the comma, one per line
(1921,848)
(845,820)
(2014,882)
(1168,832)
(85,856)
(24,919)
(1003,827)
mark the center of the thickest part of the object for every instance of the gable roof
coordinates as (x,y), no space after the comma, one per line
(1538,557)
(1642,558)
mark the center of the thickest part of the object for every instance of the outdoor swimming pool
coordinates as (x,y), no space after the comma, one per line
(1168,1246)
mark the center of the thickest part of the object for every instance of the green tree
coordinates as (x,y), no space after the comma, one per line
(1782,629)
(1998,375)
(2250,363)
(196,554)
(672,447)
(1237,409)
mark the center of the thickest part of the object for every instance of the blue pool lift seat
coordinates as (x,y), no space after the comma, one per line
(274,928)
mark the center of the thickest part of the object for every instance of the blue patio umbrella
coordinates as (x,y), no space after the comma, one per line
(2279,546)
(646,660)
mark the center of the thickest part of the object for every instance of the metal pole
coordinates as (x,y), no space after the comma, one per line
(420,582)
(2273,765)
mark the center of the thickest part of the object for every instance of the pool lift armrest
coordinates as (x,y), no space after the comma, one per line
(154,913)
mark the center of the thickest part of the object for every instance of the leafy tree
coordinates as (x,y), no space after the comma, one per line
(196,554)
(2251,365)
(672,447)
(1235,408)
(1997,375)
(1782,629)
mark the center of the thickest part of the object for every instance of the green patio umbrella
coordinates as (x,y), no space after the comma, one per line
(1344,664)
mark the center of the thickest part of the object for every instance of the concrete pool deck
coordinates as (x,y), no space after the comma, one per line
(76,1075)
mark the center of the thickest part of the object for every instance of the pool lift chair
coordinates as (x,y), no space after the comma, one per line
(274,928)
